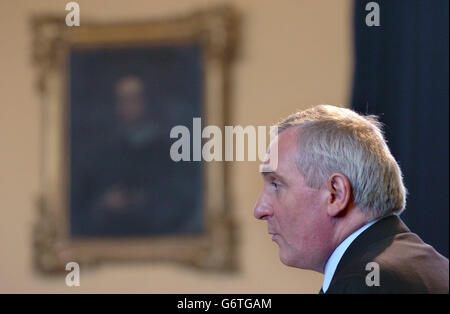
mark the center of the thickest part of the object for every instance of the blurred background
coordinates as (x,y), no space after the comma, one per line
(293,54)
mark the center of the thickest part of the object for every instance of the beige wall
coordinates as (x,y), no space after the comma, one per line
(294,54)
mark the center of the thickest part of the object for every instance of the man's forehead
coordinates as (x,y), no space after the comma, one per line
(284,144)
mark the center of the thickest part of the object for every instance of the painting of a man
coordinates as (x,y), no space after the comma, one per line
(125,183)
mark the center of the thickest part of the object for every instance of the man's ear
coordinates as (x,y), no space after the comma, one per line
(340,192)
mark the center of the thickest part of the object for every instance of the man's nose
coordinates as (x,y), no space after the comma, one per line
(262,209)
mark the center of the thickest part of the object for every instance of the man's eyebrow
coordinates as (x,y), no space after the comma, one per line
(265,169)
(268,171)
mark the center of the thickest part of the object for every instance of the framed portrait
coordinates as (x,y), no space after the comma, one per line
(110,95)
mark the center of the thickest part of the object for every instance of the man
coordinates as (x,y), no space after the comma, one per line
(128,185)
(332,205)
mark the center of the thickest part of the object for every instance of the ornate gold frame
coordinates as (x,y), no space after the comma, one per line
(216,30)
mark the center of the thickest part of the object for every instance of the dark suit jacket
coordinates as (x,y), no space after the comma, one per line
(406,263)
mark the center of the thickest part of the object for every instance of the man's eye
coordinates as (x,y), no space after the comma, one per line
(275,185)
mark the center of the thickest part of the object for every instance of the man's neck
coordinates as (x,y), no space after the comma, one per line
(343,227)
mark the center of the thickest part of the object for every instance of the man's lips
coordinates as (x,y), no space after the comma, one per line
(274,235)
(271,231)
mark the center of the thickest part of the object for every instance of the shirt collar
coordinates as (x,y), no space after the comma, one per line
(338,252)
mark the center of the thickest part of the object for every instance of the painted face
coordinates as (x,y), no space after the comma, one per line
(295,213)
(130,105)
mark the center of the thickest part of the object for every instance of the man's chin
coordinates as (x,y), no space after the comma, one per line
(285,258)
(284,253)
(289,260)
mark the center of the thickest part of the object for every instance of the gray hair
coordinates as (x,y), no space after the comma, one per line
(339,140)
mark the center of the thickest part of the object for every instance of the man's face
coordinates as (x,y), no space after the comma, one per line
(130,105)
(295,213)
